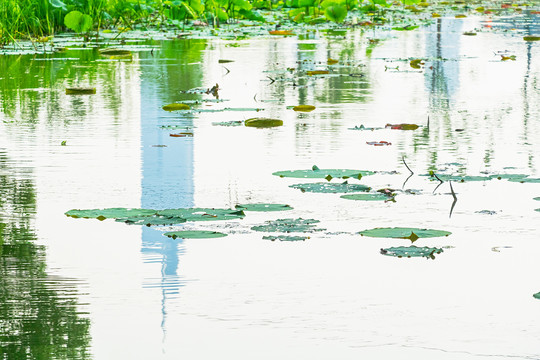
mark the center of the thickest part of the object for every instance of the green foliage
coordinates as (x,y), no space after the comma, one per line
(335,10)
(316,173)
(404,233)
(78,22)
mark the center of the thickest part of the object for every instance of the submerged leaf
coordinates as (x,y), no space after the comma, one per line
(263,122)
(288,225)
(411,251)
(263,207)
(331,187)
(194,234)
(316,173)
(403,233)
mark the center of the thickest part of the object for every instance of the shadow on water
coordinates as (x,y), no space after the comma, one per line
(39,318)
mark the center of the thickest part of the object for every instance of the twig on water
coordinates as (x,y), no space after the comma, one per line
(255,97)
(455,199)
(273,80)
(440,181)
(228,71)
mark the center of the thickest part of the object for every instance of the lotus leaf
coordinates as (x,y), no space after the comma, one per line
(152,220)
(362,127)
(531,38)
(316,173)
(77,21)
(175,106)
(458,178)
(304,108)
(402,126)
(537,295)
(331,187)
(263,122)
(317,72)
(537,210)
(508,176)
(288,225)
(415,64)
(403,233)
(281,32)
(263,207)
(80,91)
(114,52)
(537,198)
(526,180)
(285,238)
(110,213)
(367,197)
(411,251)
(406,28)
(194,234)
(469,33)
(203,214)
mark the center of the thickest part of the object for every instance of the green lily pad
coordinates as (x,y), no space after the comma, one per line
(194,234)
(176,106)
(526,180)
(537,210)
(81,91)
(263,122)
(367,197)
(537,295)
(411,251)
(459,178)
(508,176)
(203,214)
(263,207)
(229,123)
(110,213)
(403,233)
(316,173)
(152,220)
(285,238)
(362,127)
(537,198)
(331,187)
(288,225)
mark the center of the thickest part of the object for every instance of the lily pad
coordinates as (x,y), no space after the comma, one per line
(229,123)
(288,225)
(403,233)
(526,180)
(263,122)
(317,72)
(316,173)
(176,106)
(114,51)
(110,213)
(304,108)
(203,214)
(459,178)
(531,38)
(508,176)
(537,295)
(152,220)
(194,234)
(411,251)
(81,91)
(537,198)
(263,207)
(331,187)
(367,197)
(402,126)
(362,127)
(285,238)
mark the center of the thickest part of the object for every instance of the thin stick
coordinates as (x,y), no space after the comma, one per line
(273,80)
(228,71)
(440,183)
(407,166)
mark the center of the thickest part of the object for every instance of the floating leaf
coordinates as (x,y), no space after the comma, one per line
(224,61)
(316,173)
(537,198)
(378,143)
(402,126)
(331,187)
(411,251)
(317,72)
(362,127)
(285,238)
(415,63)
(537,295)
(458,178)
(288,225)
(531,38)
(263,122)
(469,33)
(304,108)
(229,123)
(184,134)
(403,233)
(526,180)
(460,16)
(176,106)
(263,207)
(114,51)
(331,61)
(152,220)
(406,28)
(367,197)
(203,214)
(194,234)
(80,91)
(110,213)
(281,32)
(518,177)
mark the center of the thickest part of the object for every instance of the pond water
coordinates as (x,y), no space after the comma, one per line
(89,289)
